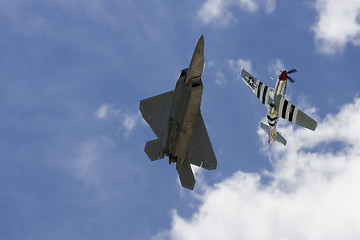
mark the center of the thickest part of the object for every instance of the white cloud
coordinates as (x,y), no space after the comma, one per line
(218,12)
(220,79)
(102,111)
(237,65)
(312,192)
(270,6)
(128,121)
(86,164)
(217,73)
(275,67)
(106,111)
(337,25)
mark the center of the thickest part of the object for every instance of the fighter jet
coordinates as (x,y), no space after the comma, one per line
(176,120)
(277,105)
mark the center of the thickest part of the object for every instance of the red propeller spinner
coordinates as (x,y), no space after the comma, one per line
(284,75)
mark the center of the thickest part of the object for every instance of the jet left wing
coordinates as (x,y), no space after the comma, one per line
(200,151)
(257,87)
(288,111)
(155,111)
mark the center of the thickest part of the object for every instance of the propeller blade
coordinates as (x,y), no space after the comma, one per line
(292,70)
(290,79)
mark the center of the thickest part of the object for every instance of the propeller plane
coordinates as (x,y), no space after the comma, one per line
(277,105)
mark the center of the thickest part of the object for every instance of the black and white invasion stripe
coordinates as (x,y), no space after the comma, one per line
(287,110)
(263,93)
(272,120)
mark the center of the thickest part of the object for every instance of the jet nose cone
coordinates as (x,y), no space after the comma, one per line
(197,61)
(201,41)
(199,49)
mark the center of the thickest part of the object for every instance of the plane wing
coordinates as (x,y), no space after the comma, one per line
(200,151)
(288,111)
(261,90)
(156,110)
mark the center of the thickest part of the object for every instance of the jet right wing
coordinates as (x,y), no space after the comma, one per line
(257,87)
(200,151)
(156,110)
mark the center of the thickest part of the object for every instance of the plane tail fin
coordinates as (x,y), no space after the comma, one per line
(154,149)
(276,136)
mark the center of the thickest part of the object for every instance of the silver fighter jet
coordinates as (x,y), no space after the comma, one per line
(277,105)
(176,120)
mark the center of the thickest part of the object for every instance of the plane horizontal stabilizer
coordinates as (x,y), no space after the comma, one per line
(278,137)
(154,149)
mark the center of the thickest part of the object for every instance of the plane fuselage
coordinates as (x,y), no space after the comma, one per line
(176,120)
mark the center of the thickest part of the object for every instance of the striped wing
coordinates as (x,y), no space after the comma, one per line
(257,87)
(288,111)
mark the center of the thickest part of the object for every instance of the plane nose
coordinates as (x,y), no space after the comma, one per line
(197,61)
(201,41)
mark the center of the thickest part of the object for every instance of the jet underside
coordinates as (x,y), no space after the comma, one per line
(176,120)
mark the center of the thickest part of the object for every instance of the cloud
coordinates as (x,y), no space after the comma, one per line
(128,121)
(218,12)
(270,6)
(215,71)
(337,25)
(311,193)
(237,65)
(86,163)
(275,67)
(102,111)
(220,79)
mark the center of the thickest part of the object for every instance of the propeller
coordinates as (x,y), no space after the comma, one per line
(289,72)
(284,74)
(292,70)
(290,79)
(284,77)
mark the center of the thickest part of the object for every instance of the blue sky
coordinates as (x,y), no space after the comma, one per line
(72,164)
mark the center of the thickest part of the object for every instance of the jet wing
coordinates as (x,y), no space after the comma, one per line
(200,151)
(288,111)
(257,87)
(156,110)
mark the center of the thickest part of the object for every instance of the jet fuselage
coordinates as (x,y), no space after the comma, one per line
(184,109)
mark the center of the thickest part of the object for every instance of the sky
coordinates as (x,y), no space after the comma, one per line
(72,164)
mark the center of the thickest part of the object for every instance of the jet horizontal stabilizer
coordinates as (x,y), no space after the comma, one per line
(154,149)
